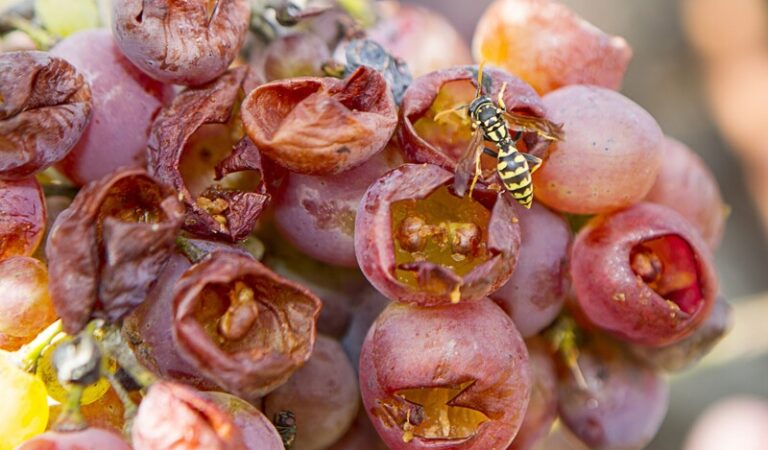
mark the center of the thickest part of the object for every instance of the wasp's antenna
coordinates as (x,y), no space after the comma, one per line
(480,79)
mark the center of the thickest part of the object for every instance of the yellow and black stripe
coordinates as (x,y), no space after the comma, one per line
(515,173)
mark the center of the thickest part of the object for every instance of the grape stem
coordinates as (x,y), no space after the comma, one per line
(129,407)
(117,348)
(71,417)
(193,253)
(26,357)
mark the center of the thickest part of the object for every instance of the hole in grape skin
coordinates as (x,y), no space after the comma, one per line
(430,413)
(134,200)
(668,266)
(452,132)
(227,313)
(441,229)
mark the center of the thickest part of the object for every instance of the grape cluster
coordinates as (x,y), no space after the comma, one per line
(233,225)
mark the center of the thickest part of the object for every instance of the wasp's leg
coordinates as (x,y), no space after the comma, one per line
(534,162)
(500,99)
(459,111)
(478,168)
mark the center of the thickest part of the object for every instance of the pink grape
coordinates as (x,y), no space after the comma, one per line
(25,307)
(125,102)
(686,185)
(317,213)
(323,396)
(607,138)
(534,296)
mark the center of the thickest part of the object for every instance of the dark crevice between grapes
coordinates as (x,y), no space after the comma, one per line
(668,265)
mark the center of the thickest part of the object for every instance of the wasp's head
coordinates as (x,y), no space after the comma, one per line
(482,109)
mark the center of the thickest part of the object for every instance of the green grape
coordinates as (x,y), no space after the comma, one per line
(24,411)
(47,372)
(66,17)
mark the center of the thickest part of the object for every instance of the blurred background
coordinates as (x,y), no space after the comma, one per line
(698,69)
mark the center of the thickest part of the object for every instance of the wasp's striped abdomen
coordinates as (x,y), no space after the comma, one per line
(513,169)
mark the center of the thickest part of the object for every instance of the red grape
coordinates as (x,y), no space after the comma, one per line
(423,38)
(258,432)
(25,307)
(322,394)
(181,42)
(643,274)
(453,376)
(88,439)
(22,217)
(548,45)
(125,101)
(417,242)
(622,404)
(534,296)
(317,213)
(607,137)
(542,408)
(686,185)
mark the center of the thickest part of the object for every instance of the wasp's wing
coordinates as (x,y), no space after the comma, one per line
(542,127)
(467,167)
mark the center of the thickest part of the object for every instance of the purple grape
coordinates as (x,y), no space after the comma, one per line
(534,296)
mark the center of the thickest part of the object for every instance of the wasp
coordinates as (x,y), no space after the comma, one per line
(492,122)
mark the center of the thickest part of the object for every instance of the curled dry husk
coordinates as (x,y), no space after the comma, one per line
(181,41)
(174,416)
(519,97)
(193,108)
(45,105)
(374,240)
(275,345)
(106,250)
(321,126)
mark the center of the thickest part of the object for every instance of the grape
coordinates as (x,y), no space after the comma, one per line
(46,370)
(317,213)
(174,416)
(371,305)
(445,141)
(534,295)
(417,242)
(64,19)
(125,101)
(542,408)
(338,288)
(180,42)
(688,351)
(423,38)
(607,136)
(322,395)
(88,439)
(453,375)
(22,217)
(644,274)
(25,306)
(105,413)
(622,404)
(25,404)
(241,325)
(548,45)
(321,125)
(295,55)
(686,185)
(361,435)
(148,330)
(258,432)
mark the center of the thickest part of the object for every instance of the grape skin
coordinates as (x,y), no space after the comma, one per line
(25,404)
